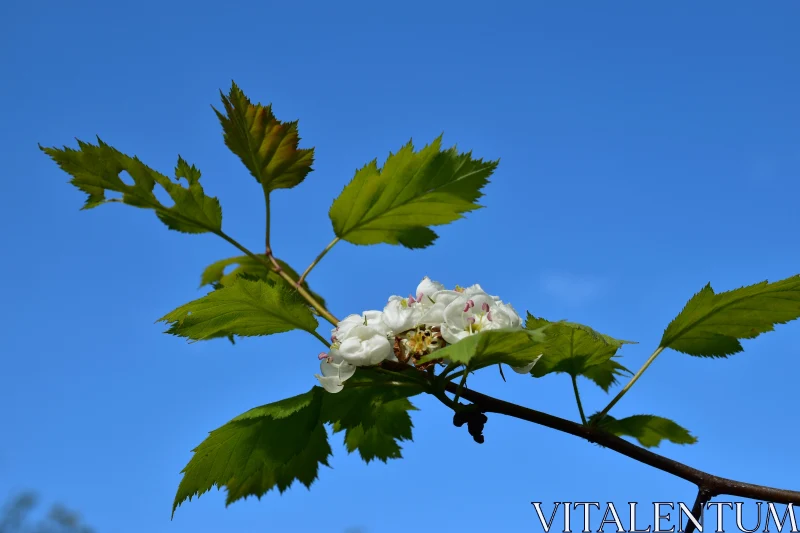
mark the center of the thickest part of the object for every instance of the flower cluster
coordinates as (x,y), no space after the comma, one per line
(410,328)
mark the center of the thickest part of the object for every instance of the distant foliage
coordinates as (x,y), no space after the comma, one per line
(17,518)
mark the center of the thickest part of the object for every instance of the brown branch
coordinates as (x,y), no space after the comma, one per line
(709,485)
(703,496)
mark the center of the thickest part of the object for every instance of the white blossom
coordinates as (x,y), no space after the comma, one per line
(363,346)
(426,289)
(335,371)
(374,319)
(415,322)
(474,311)
(400,315)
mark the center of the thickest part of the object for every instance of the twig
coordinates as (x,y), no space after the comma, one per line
(715,485)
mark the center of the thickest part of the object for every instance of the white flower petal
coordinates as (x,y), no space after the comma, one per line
(343,328)
(427,288)
(330,384)
(399,315)
(364,346)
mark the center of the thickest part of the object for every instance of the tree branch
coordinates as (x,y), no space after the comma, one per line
(708,484)
(703,496)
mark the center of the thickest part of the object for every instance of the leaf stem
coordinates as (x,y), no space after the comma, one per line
(267,224)
(454,375)
(317,260)
(449,368)
(406,378)
(442,397)
(633,380)
(460,386)
(392,383)
(578,399)
(321,338)
(272,264)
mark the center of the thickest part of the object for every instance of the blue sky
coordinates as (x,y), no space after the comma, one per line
(646,149)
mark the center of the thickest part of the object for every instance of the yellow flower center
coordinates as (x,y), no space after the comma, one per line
(421,341)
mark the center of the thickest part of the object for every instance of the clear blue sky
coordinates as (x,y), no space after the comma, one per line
(646,149)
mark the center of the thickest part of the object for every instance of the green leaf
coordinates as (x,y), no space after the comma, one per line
(605,374)
(248,307)
(710,324)
(266,447)
(649,430)
(578,350)
(413,190)
(375,427)
(373,414)
(514,347)
(95,170)
(214,274)
(275,444)
(266,146)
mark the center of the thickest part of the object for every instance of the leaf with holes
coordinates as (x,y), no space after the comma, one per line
(248,307)
(413,190)
(578,350)
(215,275)
(710,325)
(266,146)
(96,169)
(649,430)
(267,447)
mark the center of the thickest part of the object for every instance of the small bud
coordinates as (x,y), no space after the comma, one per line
(466,307)
(471,320)
(470,303)
(411,299)
(485,307)
(322,355)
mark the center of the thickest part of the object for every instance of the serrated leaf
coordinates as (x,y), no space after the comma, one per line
(214,274)
(267,447)
(266,146)
(389,424)
(373,414)
(605,374)
(649,430)
(95,170)
(578,350)
(514,347)
(248,307)
(710,325)
(413,190)
(275,444)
